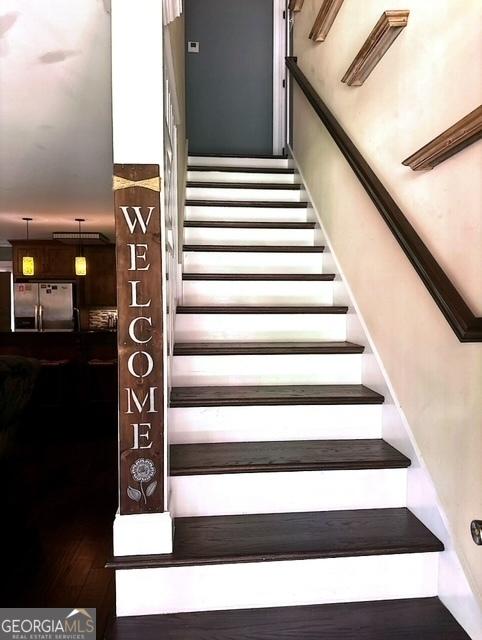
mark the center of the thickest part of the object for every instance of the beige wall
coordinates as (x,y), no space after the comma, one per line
(429,79)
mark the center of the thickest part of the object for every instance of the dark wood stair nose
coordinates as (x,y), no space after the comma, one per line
(264,348)
(270,457)
(241,224)
(273,277)
(263,309)
(414,619)
(258,204)
(273,537)
(253,248)
(272,186)
(273,395)
(220,168)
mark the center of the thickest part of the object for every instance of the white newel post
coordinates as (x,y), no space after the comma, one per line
(143,524)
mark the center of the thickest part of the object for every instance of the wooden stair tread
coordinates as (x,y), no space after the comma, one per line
(290,536)
(281,186)
(410,619)
(293,277)
(253,248)
(222,168)
(263,309)
(242,224)
(297,455)
(214,396)
(225,347)
(265,156)
(257,204)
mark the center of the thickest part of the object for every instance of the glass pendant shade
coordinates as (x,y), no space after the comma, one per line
(80,266)
(28,266)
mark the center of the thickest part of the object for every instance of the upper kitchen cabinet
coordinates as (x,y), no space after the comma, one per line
(99,284)
(52,259)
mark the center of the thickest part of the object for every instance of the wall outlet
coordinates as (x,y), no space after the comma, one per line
(192,47)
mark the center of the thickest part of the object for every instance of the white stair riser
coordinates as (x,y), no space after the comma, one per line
(266,369)
(259,214)
(239,162)
(193,327)
(256,292)
(252,262)
(253,195)
(241,493)
(242,176)
(291,237)
(245,424)
(275,584)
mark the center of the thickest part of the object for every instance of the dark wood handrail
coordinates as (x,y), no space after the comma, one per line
(466,325)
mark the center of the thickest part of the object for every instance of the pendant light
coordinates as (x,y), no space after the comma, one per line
(80,260)
(28,262)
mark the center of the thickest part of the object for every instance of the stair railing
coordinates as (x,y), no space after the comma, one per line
(466,325)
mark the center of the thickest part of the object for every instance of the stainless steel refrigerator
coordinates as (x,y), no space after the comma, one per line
(44,306)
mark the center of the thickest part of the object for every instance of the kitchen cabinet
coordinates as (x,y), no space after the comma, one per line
(99,285)
(53,260)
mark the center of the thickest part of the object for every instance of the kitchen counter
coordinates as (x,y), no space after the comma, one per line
(77,347)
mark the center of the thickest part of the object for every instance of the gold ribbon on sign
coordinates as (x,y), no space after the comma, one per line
(154,184)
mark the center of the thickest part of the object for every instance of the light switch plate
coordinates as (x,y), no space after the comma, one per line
(192,47)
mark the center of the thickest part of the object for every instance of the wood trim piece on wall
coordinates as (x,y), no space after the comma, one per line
(325,19)
(462,134)
(140,342)
(466,325)
(295,5)
(387,29)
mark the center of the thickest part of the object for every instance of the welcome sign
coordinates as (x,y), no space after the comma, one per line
(140,338)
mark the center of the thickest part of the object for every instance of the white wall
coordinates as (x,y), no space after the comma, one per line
(55,116)
(427,81)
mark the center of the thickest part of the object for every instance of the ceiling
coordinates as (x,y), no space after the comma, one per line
(55,117)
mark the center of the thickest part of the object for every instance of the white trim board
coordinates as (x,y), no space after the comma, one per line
(453,585)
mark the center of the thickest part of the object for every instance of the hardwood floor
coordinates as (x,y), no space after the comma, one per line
(270,457)
(273,395)
(59,489)
(422,619)
(271,537)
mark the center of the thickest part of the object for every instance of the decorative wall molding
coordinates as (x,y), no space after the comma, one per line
(387,29)
(325,19)
(465,324)
(140,343)
(462,134)
(295,5)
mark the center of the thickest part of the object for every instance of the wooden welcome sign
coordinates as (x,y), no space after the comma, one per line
(140,338)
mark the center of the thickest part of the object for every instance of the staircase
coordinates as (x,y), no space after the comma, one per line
(290,509)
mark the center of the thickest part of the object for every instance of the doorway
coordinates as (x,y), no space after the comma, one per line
(234,76)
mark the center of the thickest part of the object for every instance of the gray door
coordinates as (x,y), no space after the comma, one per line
(229,82)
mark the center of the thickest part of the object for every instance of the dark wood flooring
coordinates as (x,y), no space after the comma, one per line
(269,457)
(249,224)
(226,347)
(253,248)
(271,309)
(273,395)
(290,536)
(423,619)
(59,484)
